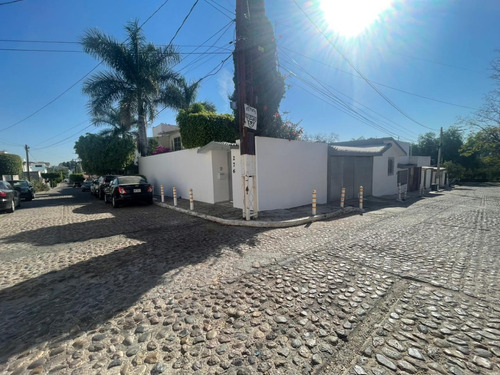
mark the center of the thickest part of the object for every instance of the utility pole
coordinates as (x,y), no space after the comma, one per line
(27,161)
(244,53)
(439,158)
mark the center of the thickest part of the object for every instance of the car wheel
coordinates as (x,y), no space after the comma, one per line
(106,200)
(12,206)
(29,198)
(114,202)
(101,194)
(149,201)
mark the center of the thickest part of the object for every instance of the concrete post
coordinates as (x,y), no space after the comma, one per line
(361,197)
(162,193)
(191,201)
(175,196)
(342,198)
(314,203)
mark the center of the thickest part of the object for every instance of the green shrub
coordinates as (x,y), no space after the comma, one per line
(198,129)
(40,186)
(76,177)
(10,164)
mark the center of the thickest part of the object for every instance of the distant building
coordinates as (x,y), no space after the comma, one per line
(36,166)
(168,136)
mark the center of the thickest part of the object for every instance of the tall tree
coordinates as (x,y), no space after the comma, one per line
(267,82)
(483,145)
(139,75)
(180,94)
(102,154)
(119,126)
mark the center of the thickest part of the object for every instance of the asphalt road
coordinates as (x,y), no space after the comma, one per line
(87,289)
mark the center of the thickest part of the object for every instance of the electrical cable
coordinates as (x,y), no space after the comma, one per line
(214,5)
(358,71)
(378,83)
(74,84)
(183,22)
(344,107)
(328,89)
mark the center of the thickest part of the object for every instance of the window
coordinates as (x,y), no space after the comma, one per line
(177,144)
(390,166)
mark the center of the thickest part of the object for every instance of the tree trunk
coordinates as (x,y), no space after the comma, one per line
(143,139)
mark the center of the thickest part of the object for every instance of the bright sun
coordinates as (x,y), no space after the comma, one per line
(351,17)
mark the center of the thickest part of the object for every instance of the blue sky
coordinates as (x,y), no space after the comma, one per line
(427,63)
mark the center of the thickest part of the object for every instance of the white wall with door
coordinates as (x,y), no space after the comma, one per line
(287,173)
(205,173)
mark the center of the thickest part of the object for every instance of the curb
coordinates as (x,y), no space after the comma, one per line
(261,223)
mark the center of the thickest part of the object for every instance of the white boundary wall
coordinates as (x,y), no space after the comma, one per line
(287,173)
(383,184)
(185,169)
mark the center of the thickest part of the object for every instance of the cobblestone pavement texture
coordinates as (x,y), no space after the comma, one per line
(87,289)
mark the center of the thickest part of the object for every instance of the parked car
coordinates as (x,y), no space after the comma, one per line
(103,184)
(27,190)
(77,184)
(94,187)
(128,189)
(86,185)
(10,197)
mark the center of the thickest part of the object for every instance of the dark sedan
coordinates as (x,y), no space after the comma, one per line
(10,198)
(27,190)
(128,189)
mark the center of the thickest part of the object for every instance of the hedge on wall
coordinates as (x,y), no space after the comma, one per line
(198,129)
(10,164)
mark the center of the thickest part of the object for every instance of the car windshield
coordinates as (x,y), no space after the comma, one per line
(132,180)
(20,183)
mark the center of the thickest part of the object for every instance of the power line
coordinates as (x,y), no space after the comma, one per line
(11,2)
(183,22)
(341,105)
(65,139)
(378,83)
(217,7)
(52,101)
(358,71)
(75,51)
(74,84)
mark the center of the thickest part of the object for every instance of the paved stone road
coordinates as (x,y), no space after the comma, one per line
(85,289)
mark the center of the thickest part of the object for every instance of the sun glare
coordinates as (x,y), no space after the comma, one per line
(351,17)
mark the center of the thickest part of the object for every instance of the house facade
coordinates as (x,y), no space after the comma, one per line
(168,136)
(287,171)
(380,165)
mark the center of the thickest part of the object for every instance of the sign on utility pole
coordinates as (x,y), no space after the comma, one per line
(247,114)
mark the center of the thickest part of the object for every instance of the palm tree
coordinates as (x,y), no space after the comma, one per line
(181,94)
(120,125)
(140,74)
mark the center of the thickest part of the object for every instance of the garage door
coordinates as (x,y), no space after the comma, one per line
(350,172)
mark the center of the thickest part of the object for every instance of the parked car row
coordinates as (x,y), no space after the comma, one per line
(11,193)
(122,189)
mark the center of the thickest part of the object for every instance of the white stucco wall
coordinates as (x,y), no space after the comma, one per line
(287,173)
(185,169)
(383,184)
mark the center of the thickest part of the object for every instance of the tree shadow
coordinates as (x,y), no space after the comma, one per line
(62,304)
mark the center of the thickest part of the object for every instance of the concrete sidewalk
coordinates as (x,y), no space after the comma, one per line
(225,213)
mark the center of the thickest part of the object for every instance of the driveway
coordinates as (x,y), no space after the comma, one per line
(88,289)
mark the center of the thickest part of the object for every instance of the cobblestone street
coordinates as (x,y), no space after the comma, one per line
(87,289)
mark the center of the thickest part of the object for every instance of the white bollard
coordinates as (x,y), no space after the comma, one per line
(399,191)
(342,198)
(191,201)
(314,203)
(162,192)
(361,197)
(175,196)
